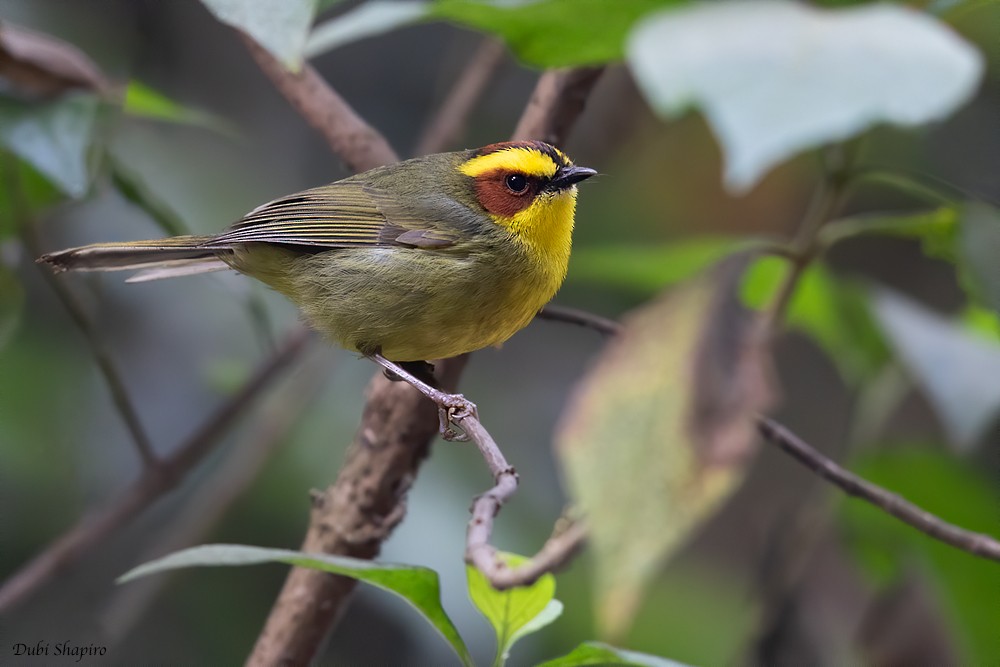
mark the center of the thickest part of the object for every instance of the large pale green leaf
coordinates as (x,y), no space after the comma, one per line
(774,78)
(958,491)
(658,433)
(596,653)
(957,370)
(515,612)
(280,26)
(367,20)
(419,586)
(11,304)
(53,137)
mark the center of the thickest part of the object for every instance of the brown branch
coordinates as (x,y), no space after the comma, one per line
(95,528)
(449,122)
(977,544)
(356,514)
(356,142)
(562,546)
(556,103)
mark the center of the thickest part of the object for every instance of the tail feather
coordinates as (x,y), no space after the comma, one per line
(178,267)
(160,253)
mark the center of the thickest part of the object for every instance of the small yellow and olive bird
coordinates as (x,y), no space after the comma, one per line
(424,259)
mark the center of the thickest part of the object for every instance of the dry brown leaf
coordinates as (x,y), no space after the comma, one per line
(660,431)
(38,66)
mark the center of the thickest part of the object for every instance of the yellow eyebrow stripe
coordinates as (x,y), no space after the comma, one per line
(526,161)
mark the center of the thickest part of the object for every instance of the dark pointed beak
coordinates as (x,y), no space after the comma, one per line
(569,176)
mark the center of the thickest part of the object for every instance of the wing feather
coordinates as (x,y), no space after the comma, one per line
(344,214)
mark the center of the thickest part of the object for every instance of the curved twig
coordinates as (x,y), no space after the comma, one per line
(155,482)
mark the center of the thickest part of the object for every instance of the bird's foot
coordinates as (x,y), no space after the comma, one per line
(452,409)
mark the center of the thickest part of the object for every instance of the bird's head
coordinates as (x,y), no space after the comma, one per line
(529,189)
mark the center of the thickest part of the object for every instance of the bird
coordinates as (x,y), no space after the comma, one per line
(427,258)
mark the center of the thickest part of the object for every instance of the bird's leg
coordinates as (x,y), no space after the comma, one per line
(452,408)
(419,369)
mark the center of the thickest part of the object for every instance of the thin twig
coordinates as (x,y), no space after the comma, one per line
(449,122)
(105,364)
(977,544)
(583,318)
(478,550)
(827,201)
(94,528)
(215,494)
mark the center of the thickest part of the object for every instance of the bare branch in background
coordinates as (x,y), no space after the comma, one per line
(582,318)
(977,544)
(556,103)
(95,528)
(105,363)
(448,123)
(215,494)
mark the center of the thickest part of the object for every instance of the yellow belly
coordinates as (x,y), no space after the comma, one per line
(410,304)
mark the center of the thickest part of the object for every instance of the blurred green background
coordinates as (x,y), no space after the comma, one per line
(788,572)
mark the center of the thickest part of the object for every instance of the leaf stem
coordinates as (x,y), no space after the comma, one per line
(825,204)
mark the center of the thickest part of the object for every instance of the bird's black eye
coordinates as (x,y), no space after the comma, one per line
(516,183)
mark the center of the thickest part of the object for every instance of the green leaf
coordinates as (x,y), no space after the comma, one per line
(958,491)
(596,653)
(979,252)
(775,78)
(833,312)
(981,321)
(516,612)
(937,230)
(142,101)
(553,33)
(53,137)
(419,586)
(280,26)
(543,33)
(11,304)
(658,433)
(367,20)
(649,268)
(37,191)
(957,370)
